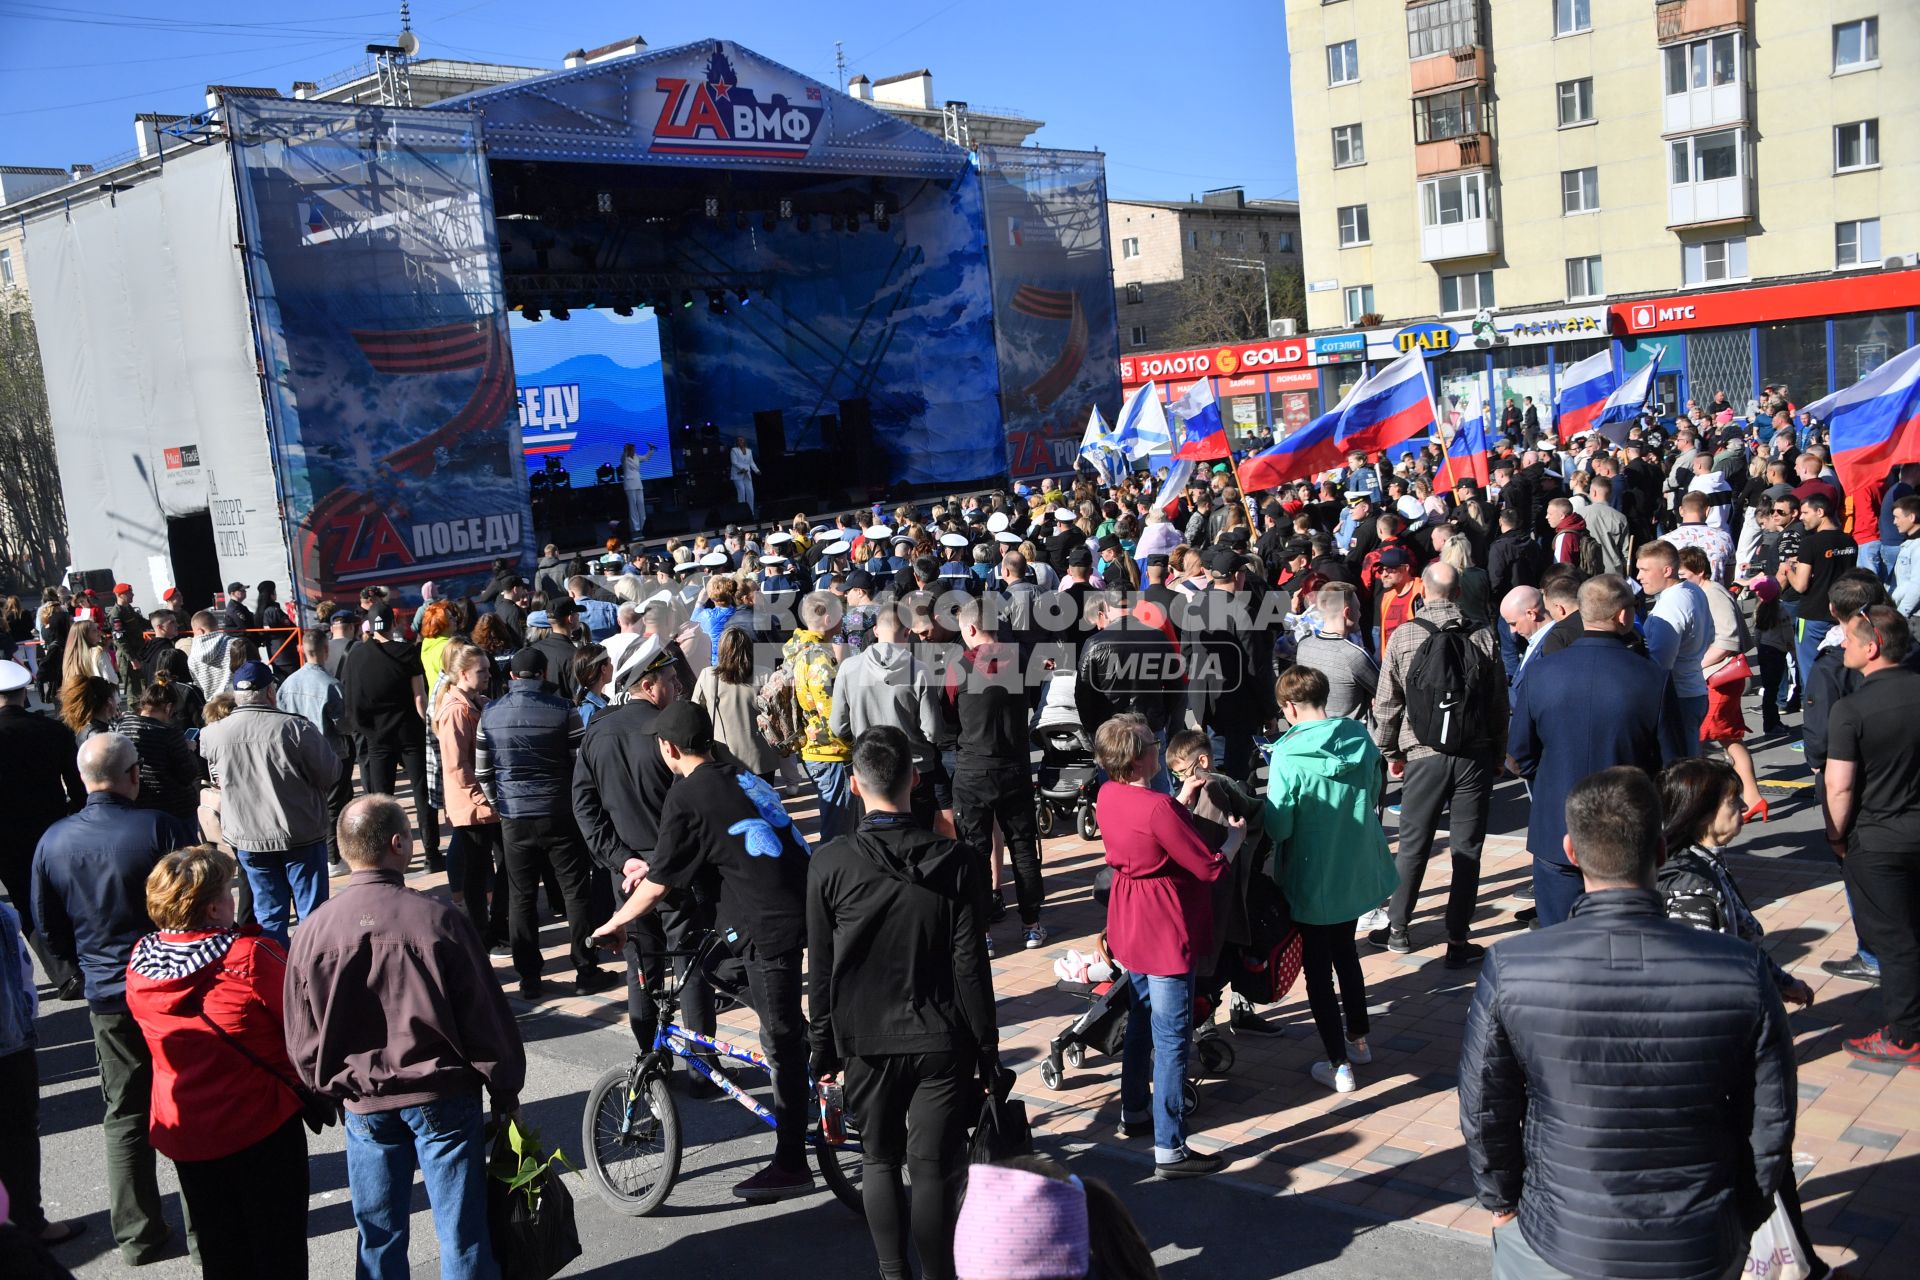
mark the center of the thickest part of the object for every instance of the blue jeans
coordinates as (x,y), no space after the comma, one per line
(1874,556)
(832,779)
(291,876)
(445,1140)
(1159,1036)
(1807,635)
(1693,713)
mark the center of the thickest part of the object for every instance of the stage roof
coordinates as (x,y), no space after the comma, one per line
(712,104)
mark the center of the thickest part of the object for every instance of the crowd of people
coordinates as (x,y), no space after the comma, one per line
(1253,680)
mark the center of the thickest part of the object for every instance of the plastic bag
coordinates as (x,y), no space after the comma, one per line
(1775,1253)
(529,1209)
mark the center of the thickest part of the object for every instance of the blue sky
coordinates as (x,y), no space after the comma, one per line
(1180,97)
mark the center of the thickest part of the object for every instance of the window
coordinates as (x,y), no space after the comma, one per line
(1576,102)
(1447,201)
(1855,244)
(1137,336)
(1856,45)
(1579,190)
(1583,279)
(1349,146)
(1856,145)
(1135,295)
(6,268)
(1353,225)
(1455,114)
(1570,17)
(1470,292)
(1216,237)
(1130,247)
(1713,261)
(1703,64)
(1266,242)
(1193,239)
(1359,303)
(1343,62)
(1706,157)
(1442,27)
(1286,242)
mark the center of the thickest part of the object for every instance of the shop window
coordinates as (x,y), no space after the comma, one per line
(1576,102)
(1857,244)
(1720,360)
(1862,344)
(1796,353)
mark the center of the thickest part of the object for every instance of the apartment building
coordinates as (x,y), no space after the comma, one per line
(1156,243)
(1726,177)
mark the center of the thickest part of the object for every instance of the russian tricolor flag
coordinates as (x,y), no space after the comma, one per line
(1391,406)
(1584,389)
(1204,434)
(1874,423)
(1468,446)
(1628,401)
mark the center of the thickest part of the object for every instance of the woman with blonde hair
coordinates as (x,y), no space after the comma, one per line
(87,655)
(227,1108)
(1476,589)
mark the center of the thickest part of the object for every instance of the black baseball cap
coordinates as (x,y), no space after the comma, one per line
(1080,558)
(859,580)
(1395,558)
(564,607)
(686,725)
(528,663)
(1157,561)
(1224,561)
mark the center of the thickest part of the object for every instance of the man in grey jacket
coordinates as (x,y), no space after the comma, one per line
(274,770)
(885,685)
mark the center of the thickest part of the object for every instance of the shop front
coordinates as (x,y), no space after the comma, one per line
(1265,388)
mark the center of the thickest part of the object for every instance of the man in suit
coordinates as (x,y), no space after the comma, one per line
(1560,732)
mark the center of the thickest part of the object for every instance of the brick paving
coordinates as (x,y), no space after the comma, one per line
(1392,1148)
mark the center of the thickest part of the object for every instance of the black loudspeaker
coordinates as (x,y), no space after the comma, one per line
(770,437)
(727,513)
(856,439)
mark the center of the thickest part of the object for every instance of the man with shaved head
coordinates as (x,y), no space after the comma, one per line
(1525,611)
(90,903)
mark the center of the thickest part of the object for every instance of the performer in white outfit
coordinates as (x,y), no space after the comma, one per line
(636,489)
(743,468)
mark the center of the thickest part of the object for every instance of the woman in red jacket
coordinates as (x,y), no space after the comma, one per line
(208,999)
(1159,920)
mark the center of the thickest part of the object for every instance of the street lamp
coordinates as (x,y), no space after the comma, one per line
(1266,283)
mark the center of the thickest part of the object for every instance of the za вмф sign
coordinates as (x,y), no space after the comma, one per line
(1224,362)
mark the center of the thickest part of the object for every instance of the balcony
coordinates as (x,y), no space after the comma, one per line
(1461,66)
(1704,108)
(1458,218)
(1708,180)
(1678,19)
(1474,151)
(1705,82)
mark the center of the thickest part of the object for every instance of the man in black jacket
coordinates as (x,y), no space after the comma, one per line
(620,783)
(901,999)
(36,758)
(986,694)
(1127,665)
(1648,1063)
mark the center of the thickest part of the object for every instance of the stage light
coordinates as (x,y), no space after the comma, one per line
(531,314)
(686,298)
(713,206)
(746,298)
(717,302)
(786,208)
(561,313)
(604,201)
(879,210)
(623,309)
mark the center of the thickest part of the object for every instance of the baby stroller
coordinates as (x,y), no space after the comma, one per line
(1102,1028)
(1069,778)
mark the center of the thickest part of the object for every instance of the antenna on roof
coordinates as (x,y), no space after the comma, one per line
(840,63)
(407,40)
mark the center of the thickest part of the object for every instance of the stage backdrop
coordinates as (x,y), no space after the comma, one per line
(589,385)
(1046,222)
(377,302)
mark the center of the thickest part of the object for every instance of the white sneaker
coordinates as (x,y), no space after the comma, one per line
(1339,1079)
(1035,936)
(1358,1053)
(1374,919)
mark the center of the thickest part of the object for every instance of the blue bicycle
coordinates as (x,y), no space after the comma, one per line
(631,1130)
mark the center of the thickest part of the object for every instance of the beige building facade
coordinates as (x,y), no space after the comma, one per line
(1465,155)
(1155,244)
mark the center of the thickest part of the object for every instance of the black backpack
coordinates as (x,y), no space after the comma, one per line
(1588,557)
(1447,687)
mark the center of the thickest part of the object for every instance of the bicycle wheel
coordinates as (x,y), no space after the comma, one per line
(840,1167)
(630,1135)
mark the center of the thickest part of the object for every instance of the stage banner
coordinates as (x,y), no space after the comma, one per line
(376,289)
(1052,299)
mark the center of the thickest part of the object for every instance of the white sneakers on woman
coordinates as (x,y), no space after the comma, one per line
(1339,1079)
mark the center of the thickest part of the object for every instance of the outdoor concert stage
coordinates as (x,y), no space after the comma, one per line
(674,248)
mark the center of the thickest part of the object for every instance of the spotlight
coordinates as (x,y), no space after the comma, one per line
(603,201)
(713,206)
(717,302)
(786,208)
(686,298)
(623,309)
(530,314)
(879,210)
(745,296)
(561,313)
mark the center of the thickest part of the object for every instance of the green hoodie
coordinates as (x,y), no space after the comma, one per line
(1331,858)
